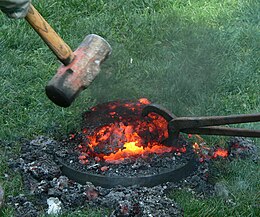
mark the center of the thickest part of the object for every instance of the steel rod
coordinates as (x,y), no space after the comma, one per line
(224,131)
(166,114)
(194,122)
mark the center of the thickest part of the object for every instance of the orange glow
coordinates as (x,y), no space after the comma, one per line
(126,138)
(144,101)
(220,153)
(131,147)
(128,135)
(132,150)
(205,152)
(196,146)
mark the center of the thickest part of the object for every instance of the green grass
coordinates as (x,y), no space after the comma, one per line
(193,57)
(243,192)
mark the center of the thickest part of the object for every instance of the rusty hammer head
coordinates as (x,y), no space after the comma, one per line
(70,80)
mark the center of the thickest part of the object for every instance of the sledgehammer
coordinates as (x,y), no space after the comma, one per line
(79,68)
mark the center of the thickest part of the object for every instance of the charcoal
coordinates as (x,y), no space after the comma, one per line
(60,182)
(53,192)
(23,207)
(73,200)
(91,193)
(243,148)
(130,167)
(43,169)
(45,182)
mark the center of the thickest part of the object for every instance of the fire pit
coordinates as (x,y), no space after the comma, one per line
(138,143)
(120,146)
(124,161)
(44,183)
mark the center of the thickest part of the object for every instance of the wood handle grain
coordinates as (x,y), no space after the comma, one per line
(49,36)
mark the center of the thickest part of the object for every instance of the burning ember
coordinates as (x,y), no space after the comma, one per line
(117,131)
(204,152)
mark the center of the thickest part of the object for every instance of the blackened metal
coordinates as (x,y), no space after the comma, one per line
(223,131)
(173,175)
(203,125)
(208,125)
(166,114)
(195,122)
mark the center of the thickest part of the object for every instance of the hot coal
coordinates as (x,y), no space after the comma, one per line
(112,127)
(130,167)
(117,140)
(114,111)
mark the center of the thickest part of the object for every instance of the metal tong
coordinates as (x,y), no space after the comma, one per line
(209,125)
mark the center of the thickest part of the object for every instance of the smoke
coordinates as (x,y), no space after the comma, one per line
(178,64)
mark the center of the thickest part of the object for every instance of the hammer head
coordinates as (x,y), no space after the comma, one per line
(70,80)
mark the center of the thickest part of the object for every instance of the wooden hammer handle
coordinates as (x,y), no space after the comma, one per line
(49,36)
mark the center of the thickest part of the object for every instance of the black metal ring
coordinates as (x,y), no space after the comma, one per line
(173,175)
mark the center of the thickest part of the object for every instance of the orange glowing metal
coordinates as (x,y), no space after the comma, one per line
(196,146)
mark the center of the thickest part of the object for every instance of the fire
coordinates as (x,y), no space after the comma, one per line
(132,150)
(127,134)
(127,140)
(144,101)
(220,153)
(120,132)
(205,152)
(131,147)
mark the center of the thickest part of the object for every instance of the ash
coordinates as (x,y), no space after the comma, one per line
(243,148)
(47,191)
(44,182)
